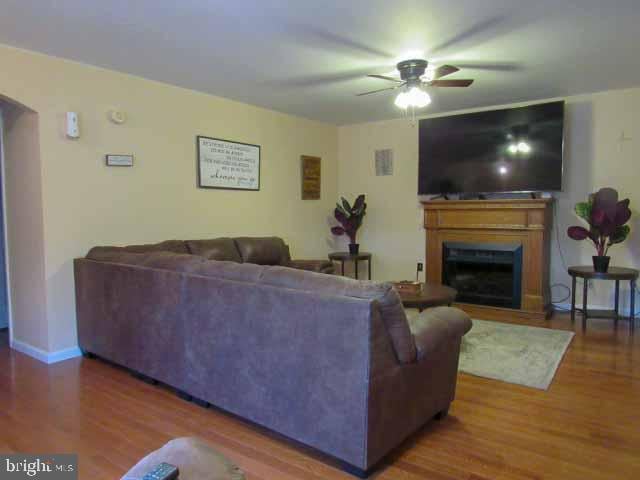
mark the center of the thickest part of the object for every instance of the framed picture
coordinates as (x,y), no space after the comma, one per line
(310,169)
(119,160)
(228,165)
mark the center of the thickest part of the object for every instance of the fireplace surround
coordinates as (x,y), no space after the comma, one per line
(484,273)
(499,227)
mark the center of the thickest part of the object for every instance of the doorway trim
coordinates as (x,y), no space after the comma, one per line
(4,229)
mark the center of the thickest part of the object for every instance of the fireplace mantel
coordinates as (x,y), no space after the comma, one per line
(524,221)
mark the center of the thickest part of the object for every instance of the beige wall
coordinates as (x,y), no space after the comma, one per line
(594,157)
(85,203)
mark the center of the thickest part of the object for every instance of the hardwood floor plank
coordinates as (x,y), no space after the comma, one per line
(586,426)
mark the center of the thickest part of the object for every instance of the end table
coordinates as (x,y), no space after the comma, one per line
(614,273)
(430,295)
(355,258)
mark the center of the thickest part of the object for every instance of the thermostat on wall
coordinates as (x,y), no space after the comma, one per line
(117,116)
(119,160)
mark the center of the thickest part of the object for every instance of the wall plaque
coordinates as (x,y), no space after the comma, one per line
(226,164)
(310,167)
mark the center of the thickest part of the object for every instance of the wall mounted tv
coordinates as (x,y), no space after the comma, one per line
(511,150)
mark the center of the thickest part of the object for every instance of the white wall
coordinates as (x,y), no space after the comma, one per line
(594,158)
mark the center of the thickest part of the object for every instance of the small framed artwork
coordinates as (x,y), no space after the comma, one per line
(311,177)
(227,165)
(119,160)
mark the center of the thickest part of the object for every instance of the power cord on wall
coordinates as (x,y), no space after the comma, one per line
(564,264)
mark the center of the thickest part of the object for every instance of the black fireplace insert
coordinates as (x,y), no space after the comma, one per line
(484,273)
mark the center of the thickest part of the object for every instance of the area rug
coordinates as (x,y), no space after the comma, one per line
(519,354)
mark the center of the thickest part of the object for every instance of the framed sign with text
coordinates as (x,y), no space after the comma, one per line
(227,164)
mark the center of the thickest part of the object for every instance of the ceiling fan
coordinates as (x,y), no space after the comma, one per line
(414,76)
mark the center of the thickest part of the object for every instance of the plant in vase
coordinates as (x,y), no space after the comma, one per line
(607,217)
(350,219)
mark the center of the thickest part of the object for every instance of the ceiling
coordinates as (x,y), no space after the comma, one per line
(309,58)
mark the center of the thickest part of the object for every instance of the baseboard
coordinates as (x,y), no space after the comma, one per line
(624,312)
(44,356)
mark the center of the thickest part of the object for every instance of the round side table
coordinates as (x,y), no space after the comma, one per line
(346,256)
(430,295)
(616,274)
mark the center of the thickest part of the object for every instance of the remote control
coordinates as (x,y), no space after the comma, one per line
(164,471)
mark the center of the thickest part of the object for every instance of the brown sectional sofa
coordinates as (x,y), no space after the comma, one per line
(258,250)
(327,361)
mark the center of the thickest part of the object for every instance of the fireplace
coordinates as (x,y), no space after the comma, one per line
(484,273)
(508,223)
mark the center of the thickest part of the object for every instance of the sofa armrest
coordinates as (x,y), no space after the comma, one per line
(320,266)
(436,326)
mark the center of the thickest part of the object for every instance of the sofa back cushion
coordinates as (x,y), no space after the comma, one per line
(174,246)
(223,249)
(391,309)
(239,272)
(263,250)
(178,262)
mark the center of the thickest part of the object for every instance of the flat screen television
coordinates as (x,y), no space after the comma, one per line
(511,150)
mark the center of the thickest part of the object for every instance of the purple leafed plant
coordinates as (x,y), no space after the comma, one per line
(349,217)
(607,217)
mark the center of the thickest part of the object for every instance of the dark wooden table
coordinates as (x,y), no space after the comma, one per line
(431,295)
(616,274)
(355,258)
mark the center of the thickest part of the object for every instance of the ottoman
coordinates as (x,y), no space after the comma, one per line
(195,459)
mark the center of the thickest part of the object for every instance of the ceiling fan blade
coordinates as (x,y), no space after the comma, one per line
(320,80)
(383,77)
(479,32)
(381,90)
(450,83)
(444,70)
(492,67)
(317,37)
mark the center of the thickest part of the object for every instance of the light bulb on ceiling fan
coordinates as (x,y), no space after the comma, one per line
(414,97)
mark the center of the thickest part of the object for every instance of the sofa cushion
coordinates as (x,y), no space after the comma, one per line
(262,250)
(177,262)
(175,246)
(393,314)
(241,272)
(320,266)
(223,249)
(115,255)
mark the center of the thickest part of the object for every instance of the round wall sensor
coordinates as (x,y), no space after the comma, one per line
(117,116)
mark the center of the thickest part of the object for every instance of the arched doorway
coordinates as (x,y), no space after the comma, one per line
(22,232)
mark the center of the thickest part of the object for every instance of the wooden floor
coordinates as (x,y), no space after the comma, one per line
(587,425)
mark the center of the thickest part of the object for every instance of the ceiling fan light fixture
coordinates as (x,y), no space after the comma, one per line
(415,97)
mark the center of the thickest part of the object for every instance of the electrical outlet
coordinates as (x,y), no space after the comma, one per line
(420,266)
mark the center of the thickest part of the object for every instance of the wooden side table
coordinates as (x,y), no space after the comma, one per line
(429,295)
(346,256)
(616,274)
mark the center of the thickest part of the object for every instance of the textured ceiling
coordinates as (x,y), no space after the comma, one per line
(309,58)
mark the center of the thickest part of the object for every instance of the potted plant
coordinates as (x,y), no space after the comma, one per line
(350,219)
(607,217)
